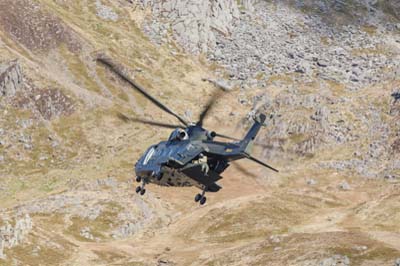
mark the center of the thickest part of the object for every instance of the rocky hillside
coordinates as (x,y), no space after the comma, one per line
(325,72)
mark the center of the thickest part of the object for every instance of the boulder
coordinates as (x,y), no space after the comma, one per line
(11,79)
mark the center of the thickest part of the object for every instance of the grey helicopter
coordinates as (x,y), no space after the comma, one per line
(190,156)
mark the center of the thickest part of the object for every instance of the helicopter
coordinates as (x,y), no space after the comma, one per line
(190,156)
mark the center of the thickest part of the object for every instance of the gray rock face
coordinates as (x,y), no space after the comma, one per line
(11,78)
(193,23)
(11,236)
(275,40)
(256,40)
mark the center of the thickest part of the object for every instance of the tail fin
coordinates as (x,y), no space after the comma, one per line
(247,143)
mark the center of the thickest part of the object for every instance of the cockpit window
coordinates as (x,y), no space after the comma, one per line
(178,134)
(148,156)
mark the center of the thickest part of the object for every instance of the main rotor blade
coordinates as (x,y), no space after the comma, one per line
(140,89)
(209,105)
(148,122)
(260,162)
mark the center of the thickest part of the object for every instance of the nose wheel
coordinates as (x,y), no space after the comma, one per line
(140,189)
(201,198)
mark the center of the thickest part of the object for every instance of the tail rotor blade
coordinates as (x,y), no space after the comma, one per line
(260,162)
(140,89)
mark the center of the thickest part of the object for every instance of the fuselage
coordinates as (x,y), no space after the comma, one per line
(162,163)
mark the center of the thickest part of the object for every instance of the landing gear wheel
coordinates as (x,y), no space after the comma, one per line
(203,200)
(142,191)
(197,198)
(138,179)
(138,189)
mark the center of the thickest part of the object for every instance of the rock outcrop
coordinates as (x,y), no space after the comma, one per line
(193,23)
(11,79)
(11,236)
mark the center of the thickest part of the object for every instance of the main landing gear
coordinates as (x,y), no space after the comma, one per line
(140,189)
(201,198)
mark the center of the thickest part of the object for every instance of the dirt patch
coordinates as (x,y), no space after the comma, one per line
(34,28)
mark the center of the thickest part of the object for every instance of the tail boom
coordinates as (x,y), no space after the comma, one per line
(247,143)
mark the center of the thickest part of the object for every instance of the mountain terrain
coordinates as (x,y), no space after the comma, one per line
(326,74)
